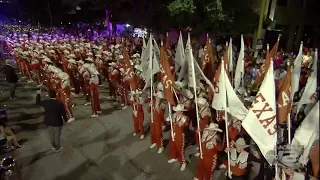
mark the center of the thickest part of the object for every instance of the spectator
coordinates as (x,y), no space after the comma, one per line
(11,77)
(8,137)
(54,118)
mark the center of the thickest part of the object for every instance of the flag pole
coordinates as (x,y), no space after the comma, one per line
(225,114)
(151,80)
(195,96)
(289,114)
(171,123)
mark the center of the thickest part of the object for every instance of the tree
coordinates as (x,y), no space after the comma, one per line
(227,16)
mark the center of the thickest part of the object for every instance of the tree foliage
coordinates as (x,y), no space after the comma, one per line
(227,16)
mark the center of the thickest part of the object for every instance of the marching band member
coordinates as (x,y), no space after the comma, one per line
(94,91)
(177,146)
(205,115)
(156,124)
(74,76)
(137,113)
(65,95)
(239,159)
(211,145)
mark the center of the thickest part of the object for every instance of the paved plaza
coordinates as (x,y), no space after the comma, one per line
(95,149)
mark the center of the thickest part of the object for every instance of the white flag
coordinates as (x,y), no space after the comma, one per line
(310,92)
(240,66)
(179,58)
(145,58)
(225,94)
(260,122)
(230,56)
(220,99)
(144,46)
(307,133)
(190,60)
(295,75)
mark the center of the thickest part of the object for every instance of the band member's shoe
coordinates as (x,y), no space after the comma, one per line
(87,103)
(134,134)
(124,107)
(195,178)
(99,112)
(153,145)
(160,150)
(183,167)
(94,115)
(197,154)
(172,161)
(142,136)
(71,120)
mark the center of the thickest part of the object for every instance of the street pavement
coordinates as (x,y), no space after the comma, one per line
(95,149)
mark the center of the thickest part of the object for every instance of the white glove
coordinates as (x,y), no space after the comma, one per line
(229,175)
(135,113)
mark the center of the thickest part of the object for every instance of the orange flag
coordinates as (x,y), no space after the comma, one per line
(167,77)
(207,60)
(284,101)
(262,71)
(128,69)
(274,50)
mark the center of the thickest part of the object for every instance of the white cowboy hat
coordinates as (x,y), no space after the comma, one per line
(112,64)
(241,143)
(241,91)
(179,107)
(138,67)
(63,75)
(115,71)
(160,86)
(47,60)
(93,70)
(72,61)
(89,54)
(120,56)
(117,46)
(89,59)
(202,101)
(112,47)
(80,62)
(250,99)
(52,51)
(213,126)
(137,92)
(98,55)
(71,56)
(159,94)
(66,52)
(187,93)
(121,70)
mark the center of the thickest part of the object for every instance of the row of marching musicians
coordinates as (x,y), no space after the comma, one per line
(60,64)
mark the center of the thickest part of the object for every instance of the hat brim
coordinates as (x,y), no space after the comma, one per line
(214,129)
(175,109)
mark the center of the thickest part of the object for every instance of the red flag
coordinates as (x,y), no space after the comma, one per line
(207,60)
(284,100)
(167,77)
(128,69)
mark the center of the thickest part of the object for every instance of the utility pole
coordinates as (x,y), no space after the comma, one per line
(49,10)
(261,18)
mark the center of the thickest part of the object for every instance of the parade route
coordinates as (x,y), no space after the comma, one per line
(95,149)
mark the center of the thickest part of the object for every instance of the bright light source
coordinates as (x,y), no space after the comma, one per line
(19,21)
(69,22)
(127,25)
